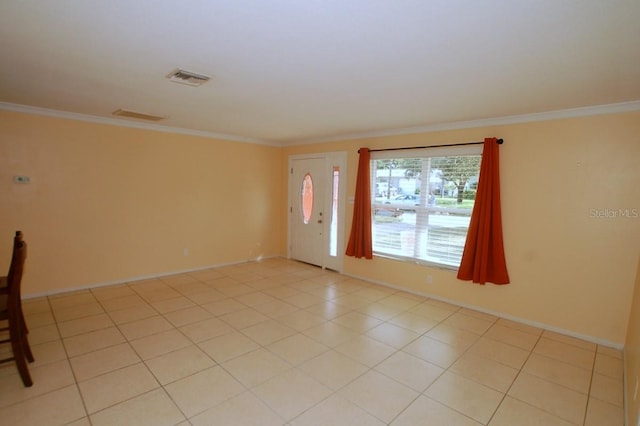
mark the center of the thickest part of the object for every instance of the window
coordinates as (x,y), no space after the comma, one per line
(306,198)
(422,202)
(333,234)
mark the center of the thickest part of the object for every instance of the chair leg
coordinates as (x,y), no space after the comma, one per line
(23,333)
(24,323)
(27,349)
(17,345)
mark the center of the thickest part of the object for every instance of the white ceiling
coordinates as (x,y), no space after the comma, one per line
(292,71)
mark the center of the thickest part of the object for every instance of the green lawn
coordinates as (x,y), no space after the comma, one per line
(453,202)
(441,202)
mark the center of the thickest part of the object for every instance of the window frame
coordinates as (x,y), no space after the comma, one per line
(448,151)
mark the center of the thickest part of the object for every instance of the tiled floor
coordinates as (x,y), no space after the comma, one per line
(279,342)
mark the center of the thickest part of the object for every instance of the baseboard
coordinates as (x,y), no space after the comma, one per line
(142,278)
(498,314)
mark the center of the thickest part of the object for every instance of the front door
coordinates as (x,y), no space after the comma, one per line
(308,192)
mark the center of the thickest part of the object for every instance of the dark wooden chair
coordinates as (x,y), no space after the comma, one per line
(3,280)
(11,311)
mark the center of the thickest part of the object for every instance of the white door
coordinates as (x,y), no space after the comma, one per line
(308,190)
(317,194)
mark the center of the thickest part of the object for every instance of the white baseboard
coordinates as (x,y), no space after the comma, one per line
(141,278)
(498,314)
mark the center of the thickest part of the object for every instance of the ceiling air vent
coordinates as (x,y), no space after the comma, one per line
(137,115)
(187,77)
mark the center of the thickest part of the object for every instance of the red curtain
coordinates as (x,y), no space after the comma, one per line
(483,257)
(360,244)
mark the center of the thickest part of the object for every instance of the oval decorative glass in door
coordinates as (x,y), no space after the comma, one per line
(306,198)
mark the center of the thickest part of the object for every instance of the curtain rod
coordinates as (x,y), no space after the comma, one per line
(499,141)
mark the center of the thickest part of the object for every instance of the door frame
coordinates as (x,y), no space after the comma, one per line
(331,159)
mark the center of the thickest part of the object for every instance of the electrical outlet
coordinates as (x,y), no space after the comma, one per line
(185,251)
(429,279)
(21,179)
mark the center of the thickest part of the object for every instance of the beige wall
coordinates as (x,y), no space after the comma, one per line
(632,357)
(108,203)
(569,270)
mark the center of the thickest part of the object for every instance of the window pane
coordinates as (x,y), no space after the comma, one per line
(422,206)
(333,234)
(306,198)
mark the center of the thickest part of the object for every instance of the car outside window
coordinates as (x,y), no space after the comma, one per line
(423,211)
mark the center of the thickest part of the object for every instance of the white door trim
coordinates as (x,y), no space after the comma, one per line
(338,158)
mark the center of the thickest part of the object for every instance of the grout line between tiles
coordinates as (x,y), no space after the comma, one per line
(370,294)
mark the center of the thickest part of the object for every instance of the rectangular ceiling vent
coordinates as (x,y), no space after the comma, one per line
(187,77)
(138,115)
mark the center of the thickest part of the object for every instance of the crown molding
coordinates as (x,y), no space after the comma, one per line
(486,122)
(126,123)
(457,125)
